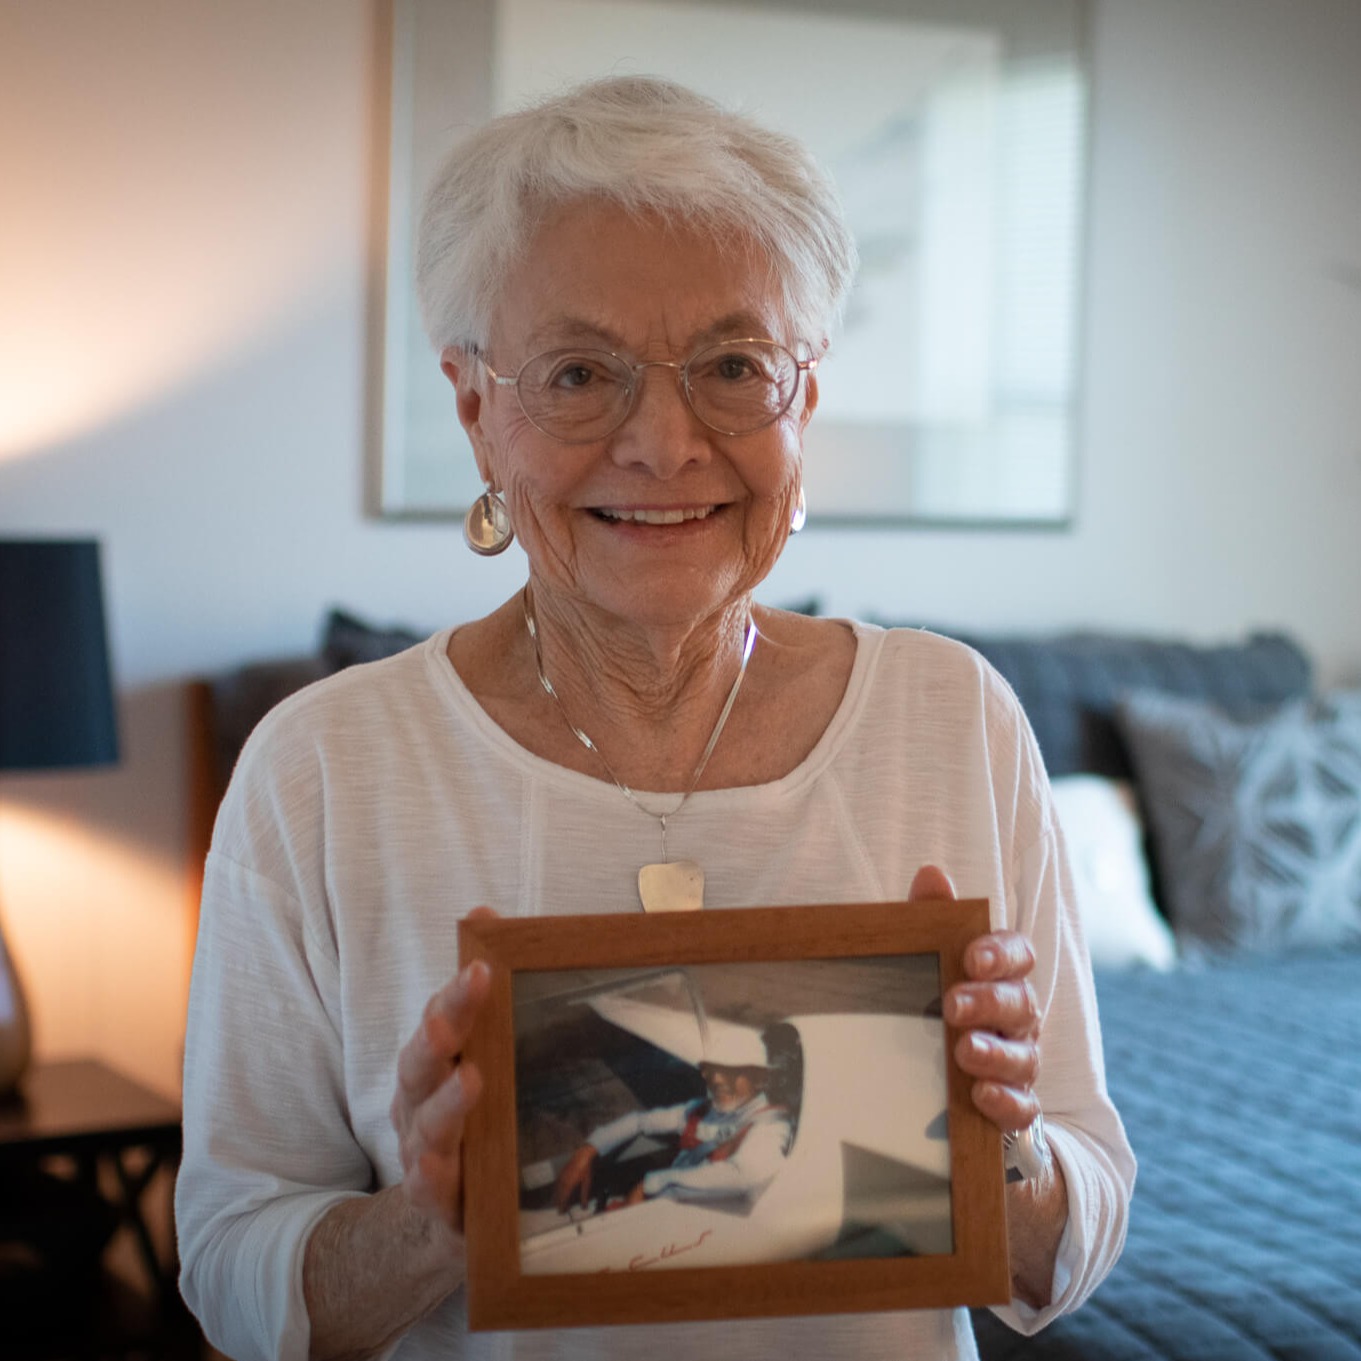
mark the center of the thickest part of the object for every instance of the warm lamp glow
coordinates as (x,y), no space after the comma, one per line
(164,316)
(163,206)
(100,931)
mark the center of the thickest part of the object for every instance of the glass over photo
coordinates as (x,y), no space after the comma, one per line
(726,1114)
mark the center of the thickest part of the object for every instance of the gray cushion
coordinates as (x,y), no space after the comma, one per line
(1068,684)
(347,640)
(1255,822)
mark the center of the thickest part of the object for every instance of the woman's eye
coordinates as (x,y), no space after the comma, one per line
(735,367)
(574,376)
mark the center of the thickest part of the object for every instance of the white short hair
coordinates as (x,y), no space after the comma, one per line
(651,146)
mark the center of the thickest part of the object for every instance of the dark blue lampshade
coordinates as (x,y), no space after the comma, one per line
(56,696)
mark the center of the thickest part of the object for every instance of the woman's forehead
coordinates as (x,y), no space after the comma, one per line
(597,330)
(593,274)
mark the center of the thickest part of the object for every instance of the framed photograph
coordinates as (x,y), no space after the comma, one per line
(724,1114)
(956,131)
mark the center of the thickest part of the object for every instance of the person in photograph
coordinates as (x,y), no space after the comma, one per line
(730,1143)
(631,291)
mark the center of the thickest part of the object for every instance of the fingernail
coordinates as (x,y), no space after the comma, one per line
(981,1044)
(986,956)
(961,1007)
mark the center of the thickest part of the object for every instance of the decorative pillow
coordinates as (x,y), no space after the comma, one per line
(1101,827)
(1256,821)
(1068,684)
(347,640)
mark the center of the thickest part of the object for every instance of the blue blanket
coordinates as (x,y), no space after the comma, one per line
(1240,1087)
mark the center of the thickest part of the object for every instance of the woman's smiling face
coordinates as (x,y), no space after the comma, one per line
(665,520)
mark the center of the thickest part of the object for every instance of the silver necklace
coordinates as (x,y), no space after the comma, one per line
(670,885)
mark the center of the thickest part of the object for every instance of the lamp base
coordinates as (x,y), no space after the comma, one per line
(16,1036)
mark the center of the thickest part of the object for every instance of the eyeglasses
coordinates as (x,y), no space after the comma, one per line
(734,387)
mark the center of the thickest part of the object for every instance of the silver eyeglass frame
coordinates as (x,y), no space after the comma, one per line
(801,367)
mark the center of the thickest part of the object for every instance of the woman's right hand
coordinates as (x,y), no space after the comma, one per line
(436,1089)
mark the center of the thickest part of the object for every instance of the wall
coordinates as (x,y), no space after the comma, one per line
(184,269)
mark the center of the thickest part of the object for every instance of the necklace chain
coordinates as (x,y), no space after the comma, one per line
(532,626)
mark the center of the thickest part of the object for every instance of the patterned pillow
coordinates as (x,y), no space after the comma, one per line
(1105,841)
(1256,822)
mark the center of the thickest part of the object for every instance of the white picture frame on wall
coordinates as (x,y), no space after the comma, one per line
(956,133)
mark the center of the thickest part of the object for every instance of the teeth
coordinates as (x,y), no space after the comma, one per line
(658,517)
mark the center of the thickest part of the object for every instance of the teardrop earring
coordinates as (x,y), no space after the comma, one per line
(800,516)
(486,526)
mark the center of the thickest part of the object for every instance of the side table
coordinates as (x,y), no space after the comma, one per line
(87,1117)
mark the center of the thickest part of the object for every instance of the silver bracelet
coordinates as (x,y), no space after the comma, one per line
(1027,1151)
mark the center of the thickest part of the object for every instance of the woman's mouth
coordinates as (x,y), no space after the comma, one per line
(675,516)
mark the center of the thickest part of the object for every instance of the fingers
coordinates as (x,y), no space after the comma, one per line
(432,1147)
(427,1058)
(436,1090)
(1005,1072)
(997,994)
(999,954)
(437,1123)
(562,1196)
(1008,1063)
(1009,1108)
(1007,1009)
(998,1012)
(565,1190)
(930,882)
(575,1190)
(574,1181)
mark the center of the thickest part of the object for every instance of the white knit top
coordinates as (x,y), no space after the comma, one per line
(371,811)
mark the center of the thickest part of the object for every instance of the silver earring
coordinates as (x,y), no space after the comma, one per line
(486,526)
(800,516)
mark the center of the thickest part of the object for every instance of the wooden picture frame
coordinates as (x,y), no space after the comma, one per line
(839,996)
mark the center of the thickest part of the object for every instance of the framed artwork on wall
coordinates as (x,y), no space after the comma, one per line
(724,1114)
(956,133)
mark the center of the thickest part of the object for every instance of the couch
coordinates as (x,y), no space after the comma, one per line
(1212,805)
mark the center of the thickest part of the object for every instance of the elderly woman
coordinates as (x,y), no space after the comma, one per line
(630,290)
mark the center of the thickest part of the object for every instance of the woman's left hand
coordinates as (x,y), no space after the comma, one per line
(999,1047)
(997,1013)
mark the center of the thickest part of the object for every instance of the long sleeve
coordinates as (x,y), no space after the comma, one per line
(615,1134)
(1084,1128)
(267,1144)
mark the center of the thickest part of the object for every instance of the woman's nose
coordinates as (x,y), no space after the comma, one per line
(661,433)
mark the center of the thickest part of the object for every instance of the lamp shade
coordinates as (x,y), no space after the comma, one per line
(56,696)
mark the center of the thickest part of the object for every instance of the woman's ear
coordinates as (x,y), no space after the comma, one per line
(459,366)
(810,386)
(810,398)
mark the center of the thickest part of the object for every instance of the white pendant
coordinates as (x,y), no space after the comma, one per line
(677,886)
